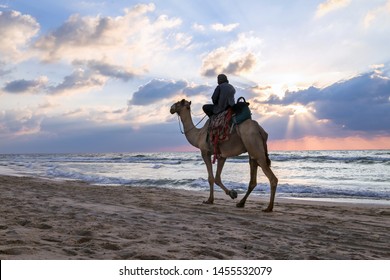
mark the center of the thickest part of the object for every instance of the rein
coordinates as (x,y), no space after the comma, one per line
(184,132)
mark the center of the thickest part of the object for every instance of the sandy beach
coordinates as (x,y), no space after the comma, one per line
(46,219)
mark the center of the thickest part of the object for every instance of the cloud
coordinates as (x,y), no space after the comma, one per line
(224,28)
(197,90)
(105,47)
(123,40)
(330,6)
(239,57)
(26,86)
(180,40)
(79,81)
(19,122)
(360,104)
(107,69)
(241,65)
(374,14)
(87,76)
(158,89)
(83,37)
(216,27)
(16,31)
(198,27)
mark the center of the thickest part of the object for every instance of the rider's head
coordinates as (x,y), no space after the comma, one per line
(222,79)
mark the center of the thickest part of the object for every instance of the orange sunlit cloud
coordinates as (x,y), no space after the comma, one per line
(324,143)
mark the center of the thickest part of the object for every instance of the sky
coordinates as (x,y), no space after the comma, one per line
(101,76)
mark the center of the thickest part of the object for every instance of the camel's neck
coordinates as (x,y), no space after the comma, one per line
(191,132)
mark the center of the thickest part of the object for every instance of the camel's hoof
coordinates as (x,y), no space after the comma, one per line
(208,202)
(240,205)
(267,210)
(233,194)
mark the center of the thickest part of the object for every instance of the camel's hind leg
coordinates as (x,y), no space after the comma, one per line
(273,180)
(218,180)
(252,182)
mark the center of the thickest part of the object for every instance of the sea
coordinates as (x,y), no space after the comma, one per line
(346,176)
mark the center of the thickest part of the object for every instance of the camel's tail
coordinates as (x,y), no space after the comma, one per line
(264,136)
(267,156)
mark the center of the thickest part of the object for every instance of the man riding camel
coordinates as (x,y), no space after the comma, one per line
(223,97)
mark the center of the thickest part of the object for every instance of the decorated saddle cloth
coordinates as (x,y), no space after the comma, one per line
(219,130)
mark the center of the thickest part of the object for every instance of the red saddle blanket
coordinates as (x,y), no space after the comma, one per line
(219,130)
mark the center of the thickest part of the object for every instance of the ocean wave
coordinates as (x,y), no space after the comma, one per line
(283,190)
(59,173)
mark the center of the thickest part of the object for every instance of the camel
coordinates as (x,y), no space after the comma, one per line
(248,136)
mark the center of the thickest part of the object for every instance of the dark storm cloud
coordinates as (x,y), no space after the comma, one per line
(360,104)
(156,90)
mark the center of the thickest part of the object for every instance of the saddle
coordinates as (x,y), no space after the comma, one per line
(222,124)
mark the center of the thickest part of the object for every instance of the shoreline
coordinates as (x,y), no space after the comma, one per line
(219,192)
(50,219)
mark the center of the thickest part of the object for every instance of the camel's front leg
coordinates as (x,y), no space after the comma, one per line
(218,181)
(207,160)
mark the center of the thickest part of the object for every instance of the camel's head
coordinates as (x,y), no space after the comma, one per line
(178,106)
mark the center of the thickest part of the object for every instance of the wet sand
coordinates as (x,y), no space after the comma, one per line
(47,219)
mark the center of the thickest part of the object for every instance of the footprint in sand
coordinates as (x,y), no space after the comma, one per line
(110,246)
(44,226)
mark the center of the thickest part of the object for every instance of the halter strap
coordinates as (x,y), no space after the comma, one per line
(184,132)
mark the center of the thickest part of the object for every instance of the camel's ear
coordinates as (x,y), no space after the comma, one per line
(190,103)
(182,102)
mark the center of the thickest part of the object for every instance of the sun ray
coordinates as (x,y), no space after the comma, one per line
(301,120)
